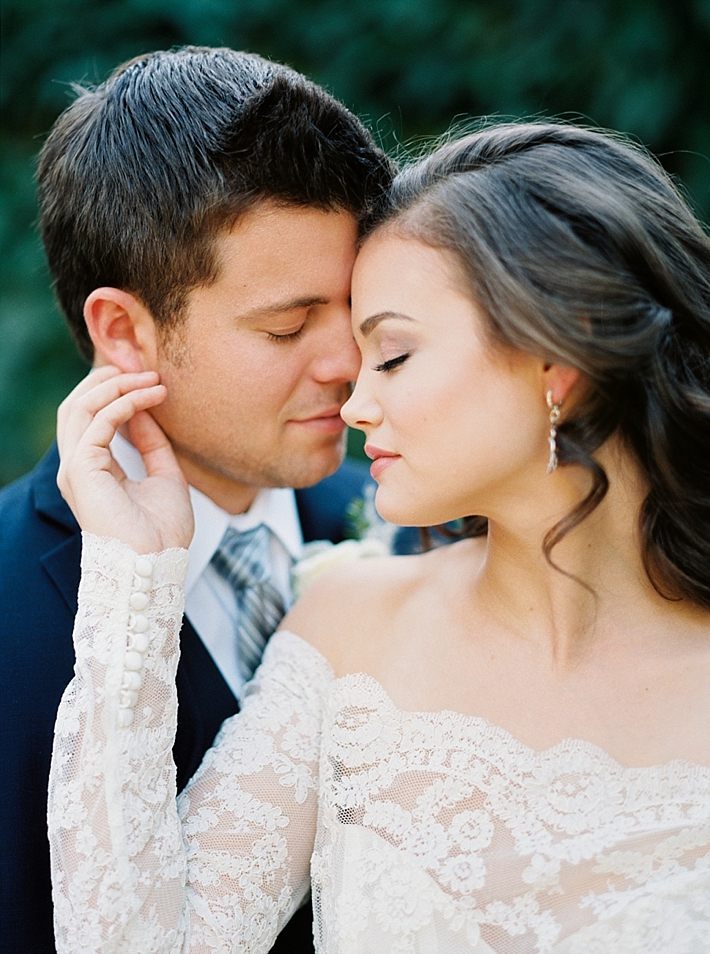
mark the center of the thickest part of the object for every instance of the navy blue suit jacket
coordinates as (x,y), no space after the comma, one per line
(40,548)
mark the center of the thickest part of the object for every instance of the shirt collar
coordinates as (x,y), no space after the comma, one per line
(273,506)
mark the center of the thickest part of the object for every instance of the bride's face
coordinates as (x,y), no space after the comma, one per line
(454,425)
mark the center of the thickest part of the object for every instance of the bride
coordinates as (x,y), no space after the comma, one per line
(501,745)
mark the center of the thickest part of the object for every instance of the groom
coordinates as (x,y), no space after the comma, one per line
(200,212)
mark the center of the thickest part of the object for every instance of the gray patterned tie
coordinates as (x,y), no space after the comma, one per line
(243,560)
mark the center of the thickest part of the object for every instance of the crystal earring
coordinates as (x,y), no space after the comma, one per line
(554,418)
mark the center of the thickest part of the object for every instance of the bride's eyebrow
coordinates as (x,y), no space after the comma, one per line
(369,324)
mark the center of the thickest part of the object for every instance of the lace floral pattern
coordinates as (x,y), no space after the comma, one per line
(128,874)
(452,830)
(433,832)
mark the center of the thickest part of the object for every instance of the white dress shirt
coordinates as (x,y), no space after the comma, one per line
(210,603)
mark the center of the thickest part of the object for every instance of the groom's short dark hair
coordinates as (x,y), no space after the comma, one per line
(141,174)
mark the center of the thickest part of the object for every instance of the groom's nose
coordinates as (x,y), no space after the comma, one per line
(338,357)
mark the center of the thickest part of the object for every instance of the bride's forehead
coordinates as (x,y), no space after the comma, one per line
(388,256)
(397,273)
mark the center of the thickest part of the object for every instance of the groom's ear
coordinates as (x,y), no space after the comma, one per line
(122,330)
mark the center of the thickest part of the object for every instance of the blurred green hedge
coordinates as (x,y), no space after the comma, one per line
(408,66)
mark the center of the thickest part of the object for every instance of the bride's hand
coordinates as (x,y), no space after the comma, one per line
(150,515)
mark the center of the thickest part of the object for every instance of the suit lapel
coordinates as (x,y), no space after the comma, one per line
(63,565)
(205,702)
(62,562)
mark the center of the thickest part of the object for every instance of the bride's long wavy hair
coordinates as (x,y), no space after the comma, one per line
(578,248)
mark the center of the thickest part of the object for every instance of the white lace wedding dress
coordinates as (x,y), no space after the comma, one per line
(419,832)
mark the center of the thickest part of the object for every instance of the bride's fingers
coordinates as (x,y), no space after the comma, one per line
(147,515)
(148,437)
(92,395)
(90,453)
(98,390)
(95,377)
(106,421)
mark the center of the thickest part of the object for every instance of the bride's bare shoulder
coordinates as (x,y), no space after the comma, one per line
(348,612)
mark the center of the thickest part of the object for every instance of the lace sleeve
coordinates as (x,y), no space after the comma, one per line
(133,870)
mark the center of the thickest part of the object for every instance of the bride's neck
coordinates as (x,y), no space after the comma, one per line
(596,588)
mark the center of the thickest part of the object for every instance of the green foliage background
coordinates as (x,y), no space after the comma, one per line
(408,66)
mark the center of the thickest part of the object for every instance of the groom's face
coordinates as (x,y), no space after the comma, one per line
(262,363)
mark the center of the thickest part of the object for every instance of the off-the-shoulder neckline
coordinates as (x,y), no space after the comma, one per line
(564,747)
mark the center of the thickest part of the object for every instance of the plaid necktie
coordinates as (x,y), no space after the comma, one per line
(243,560)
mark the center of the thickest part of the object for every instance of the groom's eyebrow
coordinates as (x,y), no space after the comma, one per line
(281,307)
(369,324)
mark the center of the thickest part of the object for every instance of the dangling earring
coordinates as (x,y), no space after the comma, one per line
(554,418)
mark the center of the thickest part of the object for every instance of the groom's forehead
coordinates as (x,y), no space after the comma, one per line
(290,255)
(272,267)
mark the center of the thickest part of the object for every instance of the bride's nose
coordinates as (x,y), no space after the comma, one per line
(361,410)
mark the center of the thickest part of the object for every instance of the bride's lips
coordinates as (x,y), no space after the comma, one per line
(328,421)
(381,459)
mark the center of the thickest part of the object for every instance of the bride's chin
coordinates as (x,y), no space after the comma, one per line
(387,507)
(405,512)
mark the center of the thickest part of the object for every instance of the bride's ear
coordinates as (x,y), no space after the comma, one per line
(122,330)
(561,380)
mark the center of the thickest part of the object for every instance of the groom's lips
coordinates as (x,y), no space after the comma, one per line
(328,421)
(381,459)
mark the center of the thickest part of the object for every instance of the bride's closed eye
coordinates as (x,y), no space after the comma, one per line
(392,363)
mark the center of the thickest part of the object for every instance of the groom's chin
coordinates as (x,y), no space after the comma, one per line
(319,462)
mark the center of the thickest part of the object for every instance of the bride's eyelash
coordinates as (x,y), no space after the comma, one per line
(392,363)
(292,337)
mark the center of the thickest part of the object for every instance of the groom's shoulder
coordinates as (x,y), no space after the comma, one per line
(15,496)
(39,539)
(32,506)
(17,511)
(39,550)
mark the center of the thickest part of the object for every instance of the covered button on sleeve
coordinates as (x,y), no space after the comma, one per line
(137,640)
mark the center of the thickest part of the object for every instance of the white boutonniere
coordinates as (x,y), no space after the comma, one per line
(373,537)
